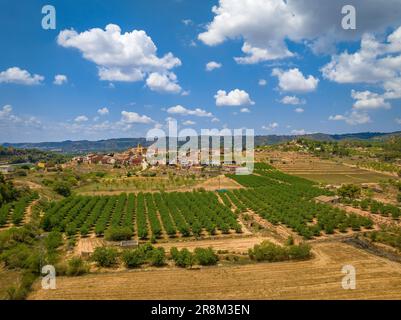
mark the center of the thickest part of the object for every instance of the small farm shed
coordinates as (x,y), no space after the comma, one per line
(328,199)
(129,244)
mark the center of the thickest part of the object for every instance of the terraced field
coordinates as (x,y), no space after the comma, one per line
(322,171)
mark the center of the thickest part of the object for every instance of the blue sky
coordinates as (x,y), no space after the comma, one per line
(111,83)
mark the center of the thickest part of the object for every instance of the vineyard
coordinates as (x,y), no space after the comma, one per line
(147,215)
(284,199)
(14,212)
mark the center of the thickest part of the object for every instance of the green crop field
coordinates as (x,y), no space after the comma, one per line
(146,214)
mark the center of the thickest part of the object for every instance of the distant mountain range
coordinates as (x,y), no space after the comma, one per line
(110,145)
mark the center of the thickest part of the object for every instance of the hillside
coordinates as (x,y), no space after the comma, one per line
(85,146)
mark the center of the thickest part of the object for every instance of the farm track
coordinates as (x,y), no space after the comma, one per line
(319,278)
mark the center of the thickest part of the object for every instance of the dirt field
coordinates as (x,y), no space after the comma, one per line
(319,278)
(238,245)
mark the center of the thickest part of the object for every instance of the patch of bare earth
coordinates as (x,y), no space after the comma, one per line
(220,182)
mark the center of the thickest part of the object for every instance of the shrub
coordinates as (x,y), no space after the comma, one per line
(21,173)
(206,257)
(349,191)
(267,251)
(158,257)
(21,256)
(300,252)
(105,257)
(118,233)
(22,291)
(53,240)
(183,258)
(62,189)
(77,267)
(133,258)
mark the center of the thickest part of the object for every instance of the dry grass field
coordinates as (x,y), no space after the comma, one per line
(319,278)
(7,279)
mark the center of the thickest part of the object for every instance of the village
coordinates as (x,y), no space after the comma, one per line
(137,157)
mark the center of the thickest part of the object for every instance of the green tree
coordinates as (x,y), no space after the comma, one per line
(349,191)
(62,189)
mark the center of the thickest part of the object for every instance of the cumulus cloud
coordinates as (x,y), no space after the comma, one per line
(262,82)
(128,57)
(19,76)
(133,117)
(293,100)
(294,81)
(299,110)
(210,66)
(271,126)
(187,22)
(81,119)
(245,110)
(180,110)
(235,97)
(166,82)
(366,100)
(5,112)
(60,79)
(265,26)
(352,118)
(215,120)
(103,111)
(375,62)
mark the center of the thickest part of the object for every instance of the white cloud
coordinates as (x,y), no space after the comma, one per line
(293,100)
(215,120)
(245,110)
(11,124)
(366,100)
(178,109)
(375,62)
(294,81)
(271,126)
(265,26)
(103,111)
(166,82)
(397,120)
(133,117)
(129,56)
(6,111)
(210,66)
(19,76)
(60,79)
(300,132)
(299,110)
(233,98)
(81,119)
(187,22)
(352,118)
(189,123)
(262,82)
